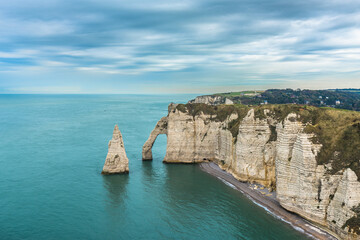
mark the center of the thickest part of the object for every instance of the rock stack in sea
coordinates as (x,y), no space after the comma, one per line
(116,159)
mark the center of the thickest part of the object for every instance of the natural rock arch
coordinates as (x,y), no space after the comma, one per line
(160,128)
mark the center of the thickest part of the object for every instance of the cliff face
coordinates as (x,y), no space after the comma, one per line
(211,100)
(208,99)
(116,159)
(254,154)
(278,152)
(196,139)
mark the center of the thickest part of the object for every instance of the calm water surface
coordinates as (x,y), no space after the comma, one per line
(52,149)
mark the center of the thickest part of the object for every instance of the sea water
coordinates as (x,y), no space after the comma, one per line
(52,150)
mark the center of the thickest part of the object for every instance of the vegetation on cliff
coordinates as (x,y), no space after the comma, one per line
(338,131)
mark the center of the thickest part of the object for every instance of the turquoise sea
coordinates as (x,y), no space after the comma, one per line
(53,147)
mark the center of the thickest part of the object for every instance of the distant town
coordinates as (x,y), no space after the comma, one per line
(336,98)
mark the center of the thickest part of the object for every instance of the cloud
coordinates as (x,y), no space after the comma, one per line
(15,27)
(225,42)
(19,53)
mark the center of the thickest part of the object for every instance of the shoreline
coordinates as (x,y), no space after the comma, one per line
(267,201)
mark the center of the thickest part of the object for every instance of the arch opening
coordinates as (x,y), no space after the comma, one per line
(160,128)
(159,147)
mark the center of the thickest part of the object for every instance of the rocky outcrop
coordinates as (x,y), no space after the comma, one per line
(254,153)
(196,139)
(212,100)
(276,152)
(302,185)
(116,159)
(208,99)
(345,199)
(228,101)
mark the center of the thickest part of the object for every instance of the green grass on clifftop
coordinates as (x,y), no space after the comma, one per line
(339,133)
(337,130)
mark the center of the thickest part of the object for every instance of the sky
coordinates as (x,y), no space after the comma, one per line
(174,46)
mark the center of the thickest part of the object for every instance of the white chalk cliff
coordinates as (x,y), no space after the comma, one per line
(208,99)
(116,159)
(277,154)
(212,100)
